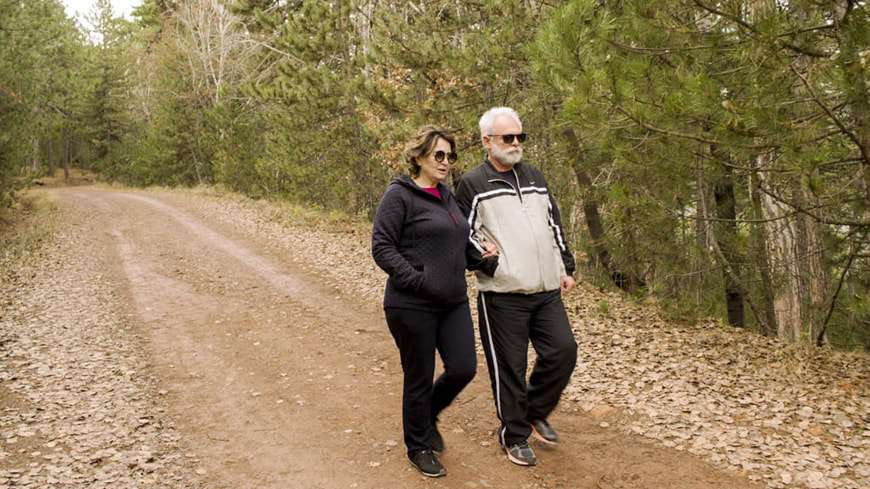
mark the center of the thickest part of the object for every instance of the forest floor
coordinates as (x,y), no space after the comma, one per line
(198,339)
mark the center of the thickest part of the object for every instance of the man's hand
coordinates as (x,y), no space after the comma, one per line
(490,249)
(567,283)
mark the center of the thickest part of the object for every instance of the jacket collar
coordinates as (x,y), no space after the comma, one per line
(492,173)
(406,181)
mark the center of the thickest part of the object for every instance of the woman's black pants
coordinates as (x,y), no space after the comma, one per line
(418,334)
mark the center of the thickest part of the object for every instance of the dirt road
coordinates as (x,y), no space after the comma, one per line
(272,379)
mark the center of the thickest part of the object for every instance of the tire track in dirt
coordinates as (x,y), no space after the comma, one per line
(236,422)
(274,382)
(77,408)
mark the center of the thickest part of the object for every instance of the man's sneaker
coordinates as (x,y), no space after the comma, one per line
(436,442)
(521,454)
(427,463)
(542,430)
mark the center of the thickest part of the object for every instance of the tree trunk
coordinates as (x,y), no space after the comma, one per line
(780,229)
(634,280)
(34,157)
(702,225)
(797,261)
(794,237)
(761,254)
(49,157)
(67,153)
(601,255)
(726,234)
(812,279)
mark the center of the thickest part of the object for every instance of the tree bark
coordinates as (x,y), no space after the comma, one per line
(780,229)
(761,253)
(34,157)
(601,255)
(797,261)
(726,235)
(67,153)
(49,157)
(812,279)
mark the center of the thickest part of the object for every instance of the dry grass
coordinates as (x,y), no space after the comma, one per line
(31,220)
(77,176)
(288,213)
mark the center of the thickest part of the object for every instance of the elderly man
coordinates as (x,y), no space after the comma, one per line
(507,203)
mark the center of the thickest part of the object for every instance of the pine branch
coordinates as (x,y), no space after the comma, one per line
(751,28)
(692,137)
(273,49)
(834,119)
(670,49)
(805,211)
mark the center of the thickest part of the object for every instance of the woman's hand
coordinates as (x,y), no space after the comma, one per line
(490,249)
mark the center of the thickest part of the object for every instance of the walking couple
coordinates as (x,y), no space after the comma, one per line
(504,224)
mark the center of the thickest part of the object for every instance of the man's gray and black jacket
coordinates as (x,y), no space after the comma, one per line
(524,224)
(420,241)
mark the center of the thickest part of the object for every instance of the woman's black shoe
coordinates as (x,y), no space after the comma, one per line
(436,442)
(427,463)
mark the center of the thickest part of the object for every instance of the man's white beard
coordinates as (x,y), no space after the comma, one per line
(509,158)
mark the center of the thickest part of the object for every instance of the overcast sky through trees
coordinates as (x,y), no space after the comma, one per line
(79,8)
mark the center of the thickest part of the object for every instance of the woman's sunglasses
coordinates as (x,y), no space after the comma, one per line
(439,157)
(509,138)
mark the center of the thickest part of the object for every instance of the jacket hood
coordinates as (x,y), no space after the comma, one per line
(406,181)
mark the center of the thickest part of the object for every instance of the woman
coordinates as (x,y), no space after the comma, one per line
(419,239)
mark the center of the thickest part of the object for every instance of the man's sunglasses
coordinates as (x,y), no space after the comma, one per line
(439,157)
(509,138)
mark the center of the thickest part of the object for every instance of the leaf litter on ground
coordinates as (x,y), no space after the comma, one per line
(788,416)
(76,409)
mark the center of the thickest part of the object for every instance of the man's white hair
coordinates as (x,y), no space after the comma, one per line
(487,120)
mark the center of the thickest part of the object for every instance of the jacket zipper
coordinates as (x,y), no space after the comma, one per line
(528,220)
(447,208)
(516,189)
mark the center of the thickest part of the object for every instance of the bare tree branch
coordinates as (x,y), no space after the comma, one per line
(821,336)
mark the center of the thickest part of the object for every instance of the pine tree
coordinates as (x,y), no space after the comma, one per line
(107,115)
(667,86)
(40,58)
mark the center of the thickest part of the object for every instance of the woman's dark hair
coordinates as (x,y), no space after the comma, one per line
(423,143)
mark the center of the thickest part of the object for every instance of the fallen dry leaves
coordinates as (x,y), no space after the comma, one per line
(82,415)
(784,416)
(77,407)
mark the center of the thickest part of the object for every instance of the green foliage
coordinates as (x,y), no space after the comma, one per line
(40,61)
(446,62)
(674,91)
(603,307)
(663,116)
(106,116)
